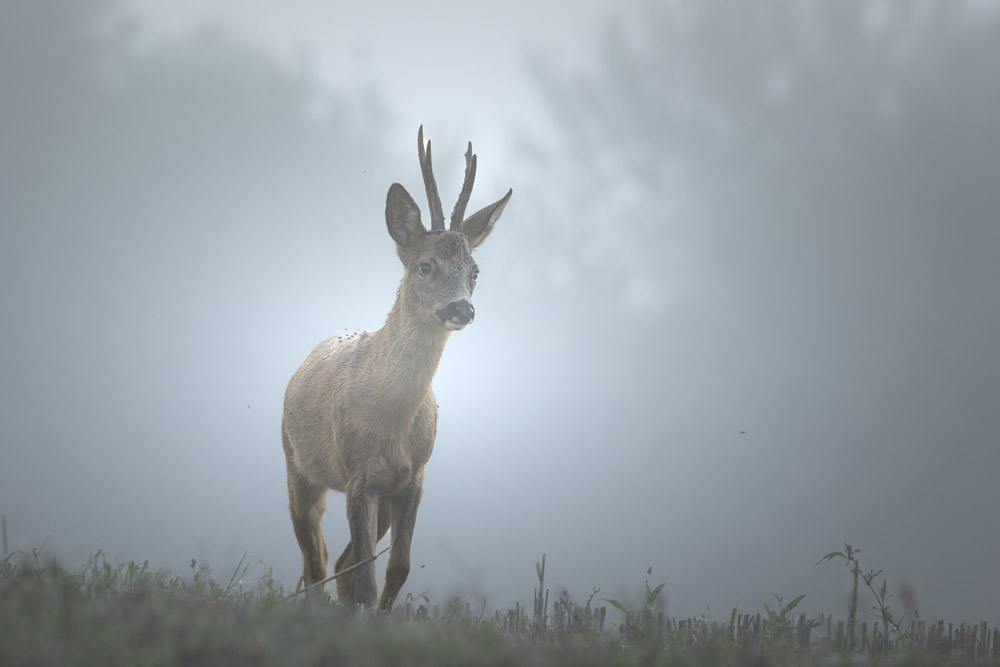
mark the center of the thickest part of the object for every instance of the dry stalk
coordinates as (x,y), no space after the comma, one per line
(338,574)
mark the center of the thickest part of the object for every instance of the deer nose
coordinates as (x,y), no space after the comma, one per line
(458,313)
(465,312)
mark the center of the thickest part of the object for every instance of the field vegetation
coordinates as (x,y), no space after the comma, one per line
(124,613)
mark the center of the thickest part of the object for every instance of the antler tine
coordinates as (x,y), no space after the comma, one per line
(433,200)
(458,213)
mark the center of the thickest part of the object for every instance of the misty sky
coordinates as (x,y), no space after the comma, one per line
(743,305)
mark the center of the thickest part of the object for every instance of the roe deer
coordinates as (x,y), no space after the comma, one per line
(360,416)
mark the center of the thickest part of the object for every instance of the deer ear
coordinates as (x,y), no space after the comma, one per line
(479,225)
(402,216)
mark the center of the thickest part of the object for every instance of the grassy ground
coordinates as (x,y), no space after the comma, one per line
(123,614)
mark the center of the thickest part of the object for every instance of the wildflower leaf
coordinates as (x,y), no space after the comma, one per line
(616,604)
(830,556)
(791,605)
(651,595)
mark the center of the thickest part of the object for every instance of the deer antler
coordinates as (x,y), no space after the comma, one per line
(458,213)
(433,200)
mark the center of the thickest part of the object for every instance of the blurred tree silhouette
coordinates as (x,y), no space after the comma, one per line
(783,139)
(172,220)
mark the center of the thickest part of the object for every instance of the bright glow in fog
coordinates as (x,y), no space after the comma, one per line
(740,308)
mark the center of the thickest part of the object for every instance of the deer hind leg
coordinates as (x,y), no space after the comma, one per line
(345,584)
(404,516)
(307,503)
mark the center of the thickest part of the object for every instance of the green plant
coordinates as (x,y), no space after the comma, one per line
(639,622)
(650,597)
(892,627)
(780,626)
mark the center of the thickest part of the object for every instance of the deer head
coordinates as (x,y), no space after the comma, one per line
(439,272)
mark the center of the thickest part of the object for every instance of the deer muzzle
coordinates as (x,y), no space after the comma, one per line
(457,314)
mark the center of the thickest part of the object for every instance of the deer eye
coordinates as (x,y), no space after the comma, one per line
(425,268)
(475,274)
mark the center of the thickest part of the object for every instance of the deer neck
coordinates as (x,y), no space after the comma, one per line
(406,352)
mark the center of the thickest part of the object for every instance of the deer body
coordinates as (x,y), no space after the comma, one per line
(360,416)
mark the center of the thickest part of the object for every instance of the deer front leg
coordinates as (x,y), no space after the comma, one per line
(404,515)
(362,516)
(307,503)
(345,584)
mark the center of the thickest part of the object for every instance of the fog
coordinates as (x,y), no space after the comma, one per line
(743,306)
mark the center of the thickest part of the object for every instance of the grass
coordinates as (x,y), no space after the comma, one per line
(126,614)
